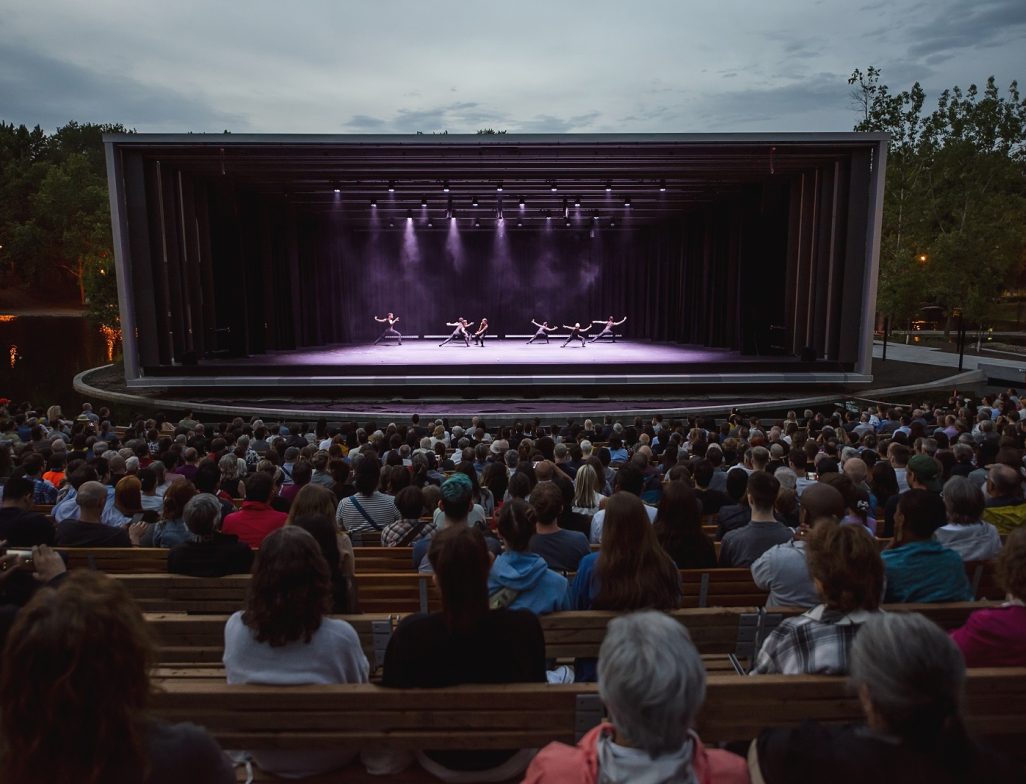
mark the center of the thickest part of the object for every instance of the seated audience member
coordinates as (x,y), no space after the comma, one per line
(368,510)
(996,636)
(921,473)
(738,512)
(856,503)
(255,519)
(316,499)
(152,501)
(171,530)
(652,684)
(127,507)
(846,568)
(19,525)
(283,638)
(561,549)
(783,569)
(209,553)
(587,498)
(919,568)
(631,571)
(1006,509)
(456,504)
(302,473)
(629,479)
(88,530)
(466,643)
(742,546)
(520,579)
(678,527)
(231,483)
(410,527)
(75,687)
(965,532)
(321,526)
(712,499)
(910,679)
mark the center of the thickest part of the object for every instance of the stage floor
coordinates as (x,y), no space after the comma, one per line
(502,362)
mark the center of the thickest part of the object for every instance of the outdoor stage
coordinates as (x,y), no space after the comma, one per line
(508,363)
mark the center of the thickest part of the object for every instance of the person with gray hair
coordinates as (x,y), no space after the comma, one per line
(652,683)
(965,532)
(909,677)
(210,553)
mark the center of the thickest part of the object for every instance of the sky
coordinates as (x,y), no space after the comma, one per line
(336,66)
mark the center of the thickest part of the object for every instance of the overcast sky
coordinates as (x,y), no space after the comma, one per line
(328,66)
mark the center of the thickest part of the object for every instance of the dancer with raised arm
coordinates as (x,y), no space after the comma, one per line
(479,336)
(576,333)
(607,329)
(390,331)
(460,333)
(543,332)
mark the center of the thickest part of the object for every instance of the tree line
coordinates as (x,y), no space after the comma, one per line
(954,219)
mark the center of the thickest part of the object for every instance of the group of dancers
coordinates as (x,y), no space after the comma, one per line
(464,331)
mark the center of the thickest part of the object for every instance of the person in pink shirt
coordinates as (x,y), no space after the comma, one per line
(256,519)
(652,682)
(996,636)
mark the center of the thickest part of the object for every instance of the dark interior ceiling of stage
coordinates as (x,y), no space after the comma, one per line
(431,177)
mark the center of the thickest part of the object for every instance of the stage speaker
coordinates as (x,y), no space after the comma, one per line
(808,354)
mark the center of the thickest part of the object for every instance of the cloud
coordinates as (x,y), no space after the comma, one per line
(962,26)
(38,89)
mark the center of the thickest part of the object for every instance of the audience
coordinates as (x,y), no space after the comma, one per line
(561,549)
(996,636)
(367,511)
(520,579)
(282,637)
(209,553)
(847,571)
(965,532)
(678,527)
(742,546)
(919,568)
(466,643)
(909,678)
(75,689)
(255,519)
(652,684)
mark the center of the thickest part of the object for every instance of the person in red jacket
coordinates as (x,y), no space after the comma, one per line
(256,519)
(652,682)
(996,636)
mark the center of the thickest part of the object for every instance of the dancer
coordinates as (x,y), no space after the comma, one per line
(479,336)
(543,332)
(460,332)
(390,330)
(607,330)
(576,333)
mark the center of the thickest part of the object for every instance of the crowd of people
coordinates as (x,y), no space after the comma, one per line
(834,513)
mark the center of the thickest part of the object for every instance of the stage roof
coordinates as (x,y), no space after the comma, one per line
(554,175)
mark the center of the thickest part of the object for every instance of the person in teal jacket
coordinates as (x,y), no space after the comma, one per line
(520,579)
(919,568)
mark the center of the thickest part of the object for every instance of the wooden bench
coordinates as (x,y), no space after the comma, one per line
(531,715)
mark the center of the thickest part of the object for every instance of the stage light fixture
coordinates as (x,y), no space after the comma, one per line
(662,186)
(627,202)
(568,224)
(609,186)
(522,202)
(430,225)
(475,201)
(374,202)
(445,186)
(577,202)
(566,209)
(477,224)
(409,214)
(391,224)
(611,223)
(423,202)
(338,189)
(553,188)
(391,186)
(499,187)
(519,224)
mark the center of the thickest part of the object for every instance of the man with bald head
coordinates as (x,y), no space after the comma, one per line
(782,570)
(1006,509)
(88,530)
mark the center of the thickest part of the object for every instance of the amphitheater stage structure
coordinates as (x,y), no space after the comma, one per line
(261,261)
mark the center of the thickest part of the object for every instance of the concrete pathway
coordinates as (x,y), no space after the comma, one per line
(925,355)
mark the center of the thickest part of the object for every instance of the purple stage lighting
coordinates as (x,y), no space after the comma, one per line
(445,186)
(374,202)
(391,186)
(522,203)
(499,187)
(338,190)
(609,186)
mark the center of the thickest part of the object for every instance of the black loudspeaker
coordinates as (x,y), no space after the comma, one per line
(808,354)
(189,358)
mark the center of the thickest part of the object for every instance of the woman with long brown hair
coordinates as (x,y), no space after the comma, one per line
(678,527)
(631,571)
(75,688)
(314,499)
(283,637)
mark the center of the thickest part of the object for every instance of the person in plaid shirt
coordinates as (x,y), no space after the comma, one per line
(848,572)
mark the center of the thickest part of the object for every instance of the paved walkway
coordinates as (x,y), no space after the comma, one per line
(925,355)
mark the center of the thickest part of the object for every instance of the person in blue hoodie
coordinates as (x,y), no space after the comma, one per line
(520,579)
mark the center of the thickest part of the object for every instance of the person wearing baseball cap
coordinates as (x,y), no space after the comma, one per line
(924,473)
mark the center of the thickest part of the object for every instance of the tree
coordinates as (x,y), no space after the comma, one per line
(955,198)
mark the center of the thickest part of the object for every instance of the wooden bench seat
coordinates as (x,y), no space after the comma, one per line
(530,715)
